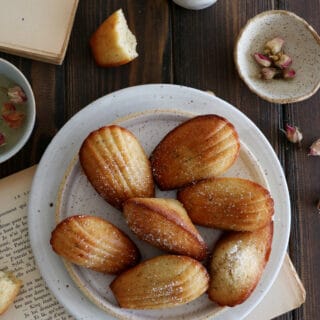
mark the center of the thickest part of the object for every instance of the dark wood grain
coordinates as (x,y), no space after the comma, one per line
(192,48)
(303,176)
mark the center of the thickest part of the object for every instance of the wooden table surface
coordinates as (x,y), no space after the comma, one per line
(192,48)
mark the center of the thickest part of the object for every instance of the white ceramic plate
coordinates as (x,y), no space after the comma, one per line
(135,108)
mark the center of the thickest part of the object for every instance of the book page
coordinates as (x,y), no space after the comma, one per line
(34,301)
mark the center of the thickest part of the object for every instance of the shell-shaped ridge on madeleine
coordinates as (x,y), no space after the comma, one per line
(94,243)
(165,224)
(161,282)
(202,147)
(228,203)
(116,165)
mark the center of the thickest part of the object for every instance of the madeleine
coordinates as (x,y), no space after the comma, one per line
(116,165)
(202,147)
(237,263)
(94,243)
(161,282)
(165,224)
(228,203)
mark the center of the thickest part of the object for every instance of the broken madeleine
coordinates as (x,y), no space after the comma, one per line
(165,224)
(113,44)
(202,147)
(237,263)
(228,203)
(94,243)
(116,165)
(161,282)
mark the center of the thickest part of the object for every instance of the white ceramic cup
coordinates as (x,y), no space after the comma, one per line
(195,4)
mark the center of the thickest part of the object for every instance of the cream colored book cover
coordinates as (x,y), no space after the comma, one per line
(35,301)
(37,29)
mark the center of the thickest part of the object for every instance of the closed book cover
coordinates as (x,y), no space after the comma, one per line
(37,29)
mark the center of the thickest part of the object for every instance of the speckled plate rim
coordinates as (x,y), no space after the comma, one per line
(60,152)
(236,50)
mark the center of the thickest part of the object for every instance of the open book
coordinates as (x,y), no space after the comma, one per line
(35,301)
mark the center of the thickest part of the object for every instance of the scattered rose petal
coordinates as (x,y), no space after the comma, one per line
(2,139)
(315,148)
(318,206)
(293,134)
(17,95)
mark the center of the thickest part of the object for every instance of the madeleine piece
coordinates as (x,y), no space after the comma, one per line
(113,44)
(116,165)
(161,282)
(9,289)
(237,264)
(228,203)
(165,224)
(94,243)
(202,147)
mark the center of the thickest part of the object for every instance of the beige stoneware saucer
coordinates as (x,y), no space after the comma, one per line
(302,43)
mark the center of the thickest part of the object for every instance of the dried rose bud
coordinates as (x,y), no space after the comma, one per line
(2,139)
(17,95)
(14,119)
(276,57)
(262,60)
(8,107)
(284,62)
(268,73)
(11,116)
(274,46)
(288,73)
(315,148)
(293,133)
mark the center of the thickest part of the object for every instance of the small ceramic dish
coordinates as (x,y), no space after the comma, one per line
(16,138)
(302,44)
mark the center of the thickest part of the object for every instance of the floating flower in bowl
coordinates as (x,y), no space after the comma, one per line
(277,55)
(17,110)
